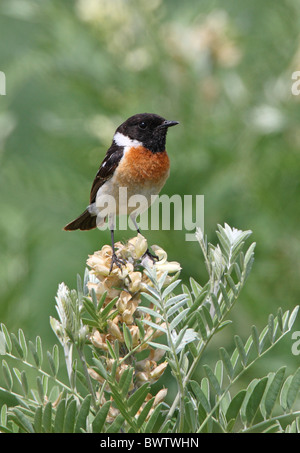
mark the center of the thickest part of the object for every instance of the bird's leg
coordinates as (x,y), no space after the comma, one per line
(114,259)
(147,253)
(151,255)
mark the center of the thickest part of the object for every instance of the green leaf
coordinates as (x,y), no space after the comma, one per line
(273,391)
(136,400)
(38,420)
(154,325)
(235,405)
(83,414)
(212,379)
(60,417)
(51,363)
(227,362)
(90,308)
(39,350)
(150,312)
(141,328)
(196,287)
(271,328)
(104,314)
(219,372)
(100,418)
(255,337)
(223,325)
(127,336)
(3,415)
(116,425)
(178,318)
(55,355)
(262,338)
(17,346)
(255,399)
(189,416)
(279,318)
(201,326)
(216,305)
(151,299)
(22,343)
(225,296)
(7,338)
(7,375)
(24,382)
(40,388)
(293,389)
(145,411)
(47,418)
(248,260)
(111,350)
(125,381)
(169,289)
(175,308)
(159,346)
(207,317)
(101,300)
(4,429)
(200,396)
(34,353)
(284,391)
(196,304)
(187,292)
(232,284)
(149,428)
(241,349)
(238,271)
(70,417)
(23,421)
(293,317)
(100,368)
(160,283)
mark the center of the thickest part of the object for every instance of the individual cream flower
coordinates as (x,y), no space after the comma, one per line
(160,396)
(98,340)
(135,282)
(114,330)
(158,371)
(137,246)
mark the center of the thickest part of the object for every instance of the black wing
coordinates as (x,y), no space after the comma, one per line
(107,168)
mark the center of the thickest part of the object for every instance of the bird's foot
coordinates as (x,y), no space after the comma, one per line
(117,261)
(152,257)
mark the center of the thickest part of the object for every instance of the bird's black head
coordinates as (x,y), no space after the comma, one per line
(146,129)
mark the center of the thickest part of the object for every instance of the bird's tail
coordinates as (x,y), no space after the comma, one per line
(85,221)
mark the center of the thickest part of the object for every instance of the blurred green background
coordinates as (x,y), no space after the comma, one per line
(76,69)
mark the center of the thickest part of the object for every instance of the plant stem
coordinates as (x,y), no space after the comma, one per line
(265,422)
(87,376)
(39,370)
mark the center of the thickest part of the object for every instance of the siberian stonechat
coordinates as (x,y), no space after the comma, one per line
(136,160)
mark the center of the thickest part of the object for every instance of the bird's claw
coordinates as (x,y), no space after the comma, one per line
(117,261)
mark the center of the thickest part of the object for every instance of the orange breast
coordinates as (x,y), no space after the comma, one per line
(140,166)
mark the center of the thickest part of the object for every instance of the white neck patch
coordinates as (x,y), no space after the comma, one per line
(123,140)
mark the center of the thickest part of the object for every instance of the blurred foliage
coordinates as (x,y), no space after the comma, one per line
(76,69)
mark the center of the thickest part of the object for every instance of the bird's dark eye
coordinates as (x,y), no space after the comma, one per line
(142,125)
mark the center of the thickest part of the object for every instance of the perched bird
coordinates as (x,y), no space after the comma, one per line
(136,160)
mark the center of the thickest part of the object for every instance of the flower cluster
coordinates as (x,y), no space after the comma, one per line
(124,285)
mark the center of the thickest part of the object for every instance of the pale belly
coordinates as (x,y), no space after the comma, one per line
(123,200)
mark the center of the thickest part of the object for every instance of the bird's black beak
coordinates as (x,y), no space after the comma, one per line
(169,123)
